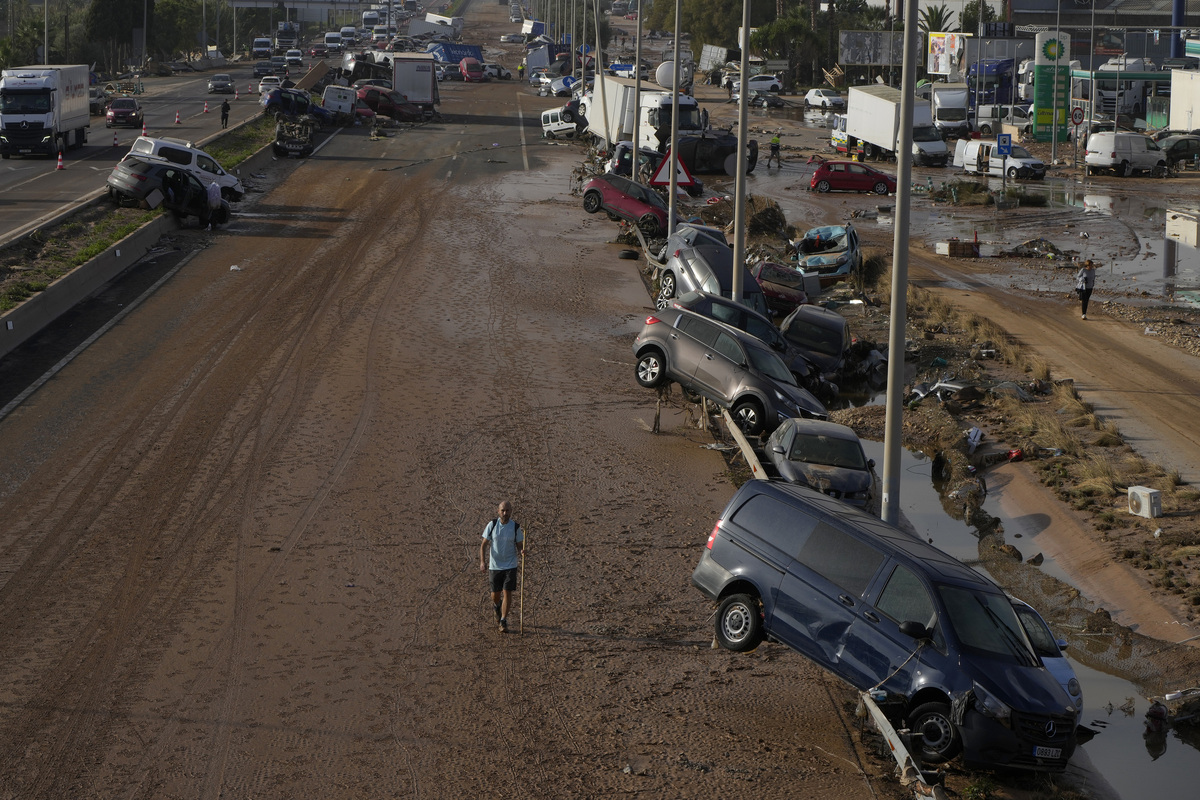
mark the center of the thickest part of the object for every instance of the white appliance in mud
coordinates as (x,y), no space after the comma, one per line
(1145,502)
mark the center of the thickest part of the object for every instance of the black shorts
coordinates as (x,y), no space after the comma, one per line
(504,579)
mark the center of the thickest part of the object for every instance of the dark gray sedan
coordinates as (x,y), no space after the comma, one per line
(824,456)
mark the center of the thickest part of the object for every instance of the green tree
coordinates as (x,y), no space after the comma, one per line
(970,15)
(937,19)
(787,37)
(710,21)
(176,26)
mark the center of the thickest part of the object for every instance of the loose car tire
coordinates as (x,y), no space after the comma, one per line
(939,740)
(823,187)
(651,369)
(880,188)
(591,202)
(739,625)
(748,415)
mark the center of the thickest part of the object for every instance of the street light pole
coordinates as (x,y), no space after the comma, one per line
(1054,103)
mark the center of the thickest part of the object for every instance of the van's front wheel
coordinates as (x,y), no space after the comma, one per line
(739,623)
(939,740)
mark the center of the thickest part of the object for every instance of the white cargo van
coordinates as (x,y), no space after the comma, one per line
(349,35)
(333,42)
(1124,153)
(979,156)
(554,126)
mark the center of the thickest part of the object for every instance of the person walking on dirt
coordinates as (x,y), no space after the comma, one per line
(506,539)
(1085,280)
(774,152)
(225,113)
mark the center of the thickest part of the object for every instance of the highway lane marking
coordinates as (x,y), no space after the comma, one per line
(88,342)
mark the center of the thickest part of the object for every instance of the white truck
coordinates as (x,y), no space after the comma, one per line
(873,125)
(610,116)
(456,23)
(43,109)
(1120,94)
(414,75)
(950,109)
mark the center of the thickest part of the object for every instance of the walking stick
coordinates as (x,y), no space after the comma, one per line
(521,598)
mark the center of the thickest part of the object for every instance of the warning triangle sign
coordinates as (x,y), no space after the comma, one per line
(661,178)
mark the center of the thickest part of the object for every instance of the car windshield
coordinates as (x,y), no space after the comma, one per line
(832,451)
(124,104)
(986,623)
(952,114)
(926,134)
(781,275)
(1039,635)
(769,364)
(814,337)
(1020,152)
(221,78)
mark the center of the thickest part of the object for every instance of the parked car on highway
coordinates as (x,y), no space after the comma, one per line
(880,608)
(221,83)
(705,268)
(124,111)
(268,83)
(782,286)
(831,252)
(263,69)
(389,103)
(850,176)
(824,99)
(730,367)
(624,199)
(497,71)
(184,154)
(822,334)
(744,318)
(823,456)
(513,38)
(149,182)
(756,98)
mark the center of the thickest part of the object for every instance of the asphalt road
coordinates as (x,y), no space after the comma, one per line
(32,188)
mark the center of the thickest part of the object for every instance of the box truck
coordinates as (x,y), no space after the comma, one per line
(43,109)
(611,119)
(950,109)
(871,127)
(414,76)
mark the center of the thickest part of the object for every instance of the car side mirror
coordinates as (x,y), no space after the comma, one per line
(870,463)
(915,630)
(777,449)
(1062,644)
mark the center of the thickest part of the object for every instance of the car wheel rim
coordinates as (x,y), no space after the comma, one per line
(648,369)
(736,622)
(747,418)
(936,732)
(667,287)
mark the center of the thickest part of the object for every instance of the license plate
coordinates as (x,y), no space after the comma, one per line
(1047,752)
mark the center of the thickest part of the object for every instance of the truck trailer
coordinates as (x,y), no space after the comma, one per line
(610,116)
(414,75)
(872,127)
(43,109)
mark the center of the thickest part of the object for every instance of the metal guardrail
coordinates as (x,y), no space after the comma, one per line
(911,776)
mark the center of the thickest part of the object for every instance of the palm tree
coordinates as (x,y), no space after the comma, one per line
(936,19)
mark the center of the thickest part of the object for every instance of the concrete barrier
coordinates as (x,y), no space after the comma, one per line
(21,323)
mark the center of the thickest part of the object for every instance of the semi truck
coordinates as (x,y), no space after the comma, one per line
(871,126)
(1125,91)
(611,119)
(414,75)
(43,109)
(992,81)
(287,37)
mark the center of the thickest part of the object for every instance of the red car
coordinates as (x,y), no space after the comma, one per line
(123,111)
(389,103)
(850,176)
(319,51)
(624,199)
(782,286)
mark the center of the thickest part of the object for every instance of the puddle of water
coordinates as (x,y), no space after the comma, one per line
(1134,765)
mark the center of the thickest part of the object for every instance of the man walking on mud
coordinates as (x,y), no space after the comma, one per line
(506,540)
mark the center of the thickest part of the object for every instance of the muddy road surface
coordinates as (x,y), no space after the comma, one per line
(240,540)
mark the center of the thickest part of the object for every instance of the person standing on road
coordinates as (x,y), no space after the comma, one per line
(212,204)
(225,113)
(774,152)
(506,539)
(1085,281)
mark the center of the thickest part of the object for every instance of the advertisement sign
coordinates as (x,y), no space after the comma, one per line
(945,53)
(1052,54)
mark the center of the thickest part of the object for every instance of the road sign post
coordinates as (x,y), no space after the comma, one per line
(1076,120)
(1004,150)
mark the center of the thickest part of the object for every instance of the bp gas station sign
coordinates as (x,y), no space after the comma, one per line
(1051,76)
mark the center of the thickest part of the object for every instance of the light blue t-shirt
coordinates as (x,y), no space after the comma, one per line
(503,539)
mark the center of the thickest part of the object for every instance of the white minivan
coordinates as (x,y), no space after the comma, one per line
(1124,153)
(554,126)
(333,42)
(979,156)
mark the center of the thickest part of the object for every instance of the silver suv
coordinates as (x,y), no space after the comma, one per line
(730,367)
(708,268)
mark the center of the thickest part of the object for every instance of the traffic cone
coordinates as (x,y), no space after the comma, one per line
(235,94)
(177,120)
(205,107)
(250,88)
(114,140)
(143,127)
(60,164)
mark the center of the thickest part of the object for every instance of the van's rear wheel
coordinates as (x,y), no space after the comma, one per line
(739,625)
(939,740)
(986,130)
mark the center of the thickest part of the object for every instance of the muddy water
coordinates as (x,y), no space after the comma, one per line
(1133,764)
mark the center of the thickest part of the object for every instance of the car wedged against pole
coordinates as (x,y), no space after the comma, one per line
(880,608)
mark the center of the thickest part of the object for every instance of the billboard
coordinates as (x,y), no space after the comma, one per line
(870,48)
(945,53)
